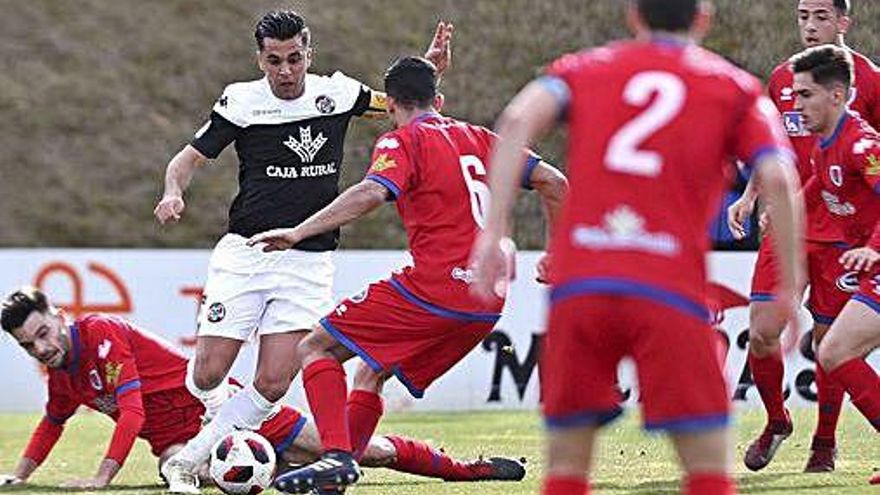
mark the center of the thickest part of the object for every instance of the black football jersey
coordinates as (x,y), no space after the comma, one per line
(289,151)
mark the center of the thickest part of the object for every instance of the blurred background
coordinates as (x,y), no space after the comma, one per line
(97,95)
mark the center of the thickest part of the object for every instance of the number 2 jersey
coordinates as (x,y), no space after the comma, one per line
(653,128)
(435,168)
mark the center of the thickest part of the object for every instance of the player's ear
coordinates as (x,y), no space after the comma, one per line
(702,20)
(843,24)
(439,100)
(260,61)
(634,19)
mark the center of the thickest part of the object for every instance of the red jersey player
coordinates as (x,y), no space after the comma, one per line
(420,322)
(847,177)
(109,365)
(820,22)
(652,126)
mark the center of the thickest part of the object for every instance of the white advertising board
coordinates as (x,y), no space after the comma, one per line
(160,289)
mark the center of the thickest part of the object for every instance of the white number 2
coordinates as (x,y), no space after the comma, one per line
(471,166)
(623,153)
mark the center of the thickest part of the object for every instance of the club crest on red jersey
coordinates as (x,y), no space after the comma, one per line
(95,379)
(383,162)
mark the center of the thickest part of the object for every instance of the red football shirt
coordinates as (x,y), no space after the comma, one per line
(864,100)
(436,168)
(847,178)
(652,130)
(110,357)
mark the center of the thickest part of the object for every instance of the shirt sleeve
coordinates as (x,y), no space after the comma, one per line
(391,165)
(760,132)
(532,159)
(43,439)
(215,135)
(117,365)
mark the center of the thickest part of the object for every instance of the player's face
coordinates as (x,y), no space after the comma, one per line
(285,64)
(44,337)
(819,22)
(815,102)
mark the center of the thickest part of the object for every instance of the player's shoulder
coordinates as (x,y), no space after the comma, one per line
(862,62)
(394,140)
(95,325)
(590,59)
(717,71)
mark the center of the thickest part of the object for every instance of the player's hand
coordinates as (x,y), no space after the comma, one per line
(10,480)
(859,259)
(493,265)
(84,484)
(543,269)
(275,239)
(440,50)
(169,209)
(738,214)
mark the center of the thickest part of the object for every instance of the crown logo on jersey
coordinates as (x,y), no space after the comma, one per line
(307,147)
(623,229)
(873,165)
(383,162)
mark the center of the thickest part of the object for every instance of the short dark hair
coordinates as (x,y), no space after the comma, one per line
(668,15)
(281,25)
(828,64)
(412,82)
(17,306)
(842,6)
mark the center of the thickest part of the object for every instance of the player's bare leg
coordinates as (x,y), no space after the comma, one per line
(569,460)
(325,383)
(854,334)
(705,458)
(277,364)
(823,449)
(766,362)
(206,373)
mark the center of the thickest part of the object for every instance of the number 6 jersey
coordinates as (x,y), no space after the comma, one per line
(653,129)
(435,168)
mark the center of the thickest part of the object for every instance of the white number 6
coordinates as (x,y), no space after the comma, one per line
(479,191)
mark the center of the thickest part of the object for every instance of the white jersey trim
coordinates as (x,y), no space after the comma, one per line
(253,103)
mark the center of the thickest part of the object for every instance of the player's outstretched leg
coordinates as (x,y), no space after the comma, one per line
(408,455)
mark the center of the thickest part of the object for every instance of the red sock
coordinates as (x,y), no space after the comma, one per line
(324,381)
(417,457)
(364,410)
(830,403)
(558,485)
(863,386)
(709,484)
(768,373)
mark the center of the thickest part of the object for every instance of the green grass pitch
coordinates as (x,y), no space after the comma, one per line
(629,462)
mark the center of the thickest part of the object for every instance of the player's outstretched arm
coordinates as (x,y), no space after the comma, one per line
(439,52)
(778,183)
(178,175)
(529,115)
(354,203)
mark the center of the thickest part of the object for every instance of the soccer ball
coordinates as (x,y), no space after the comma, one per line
(242,462)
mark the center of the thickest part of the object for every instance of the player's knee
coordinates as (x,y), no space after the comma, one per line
(273,386)
(831,353)
(315,345)
(205,378)
(380,452)
(367,379)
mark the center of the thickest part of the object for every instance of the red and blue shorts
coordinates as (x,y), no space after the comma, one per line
(282,428)
(869,289)
(681,380)
(394,331)
(831,285)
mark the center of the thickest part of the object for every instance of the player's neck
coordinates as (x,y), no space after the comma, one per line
(667,37)
(405,117)
(828,133)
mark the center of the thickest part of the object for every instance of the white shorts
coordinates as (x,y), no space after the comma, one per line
(250,290)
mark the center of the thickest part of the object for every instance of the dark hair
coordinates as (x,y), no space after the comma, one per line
(842,6)
(412,82)
(281,25)
(19,305)
(668,15)
(827,63)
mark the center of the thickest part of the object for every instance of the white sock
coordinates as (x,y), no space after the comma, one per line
(246,410)
(211,399)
